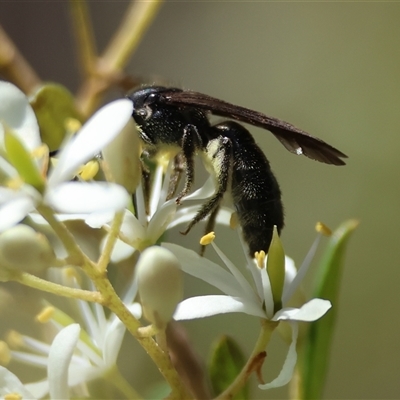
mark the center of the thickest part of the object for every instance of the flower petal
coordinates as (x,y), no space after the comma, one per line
(290,289)
(207,190)
(131,228)
(286,373)
(187,213)
(208,271)
(206,306)
(60,355)
(9,383)
(112,342)
(310,311)
(38,389)
(18,115)
(97,132)
(242,281)
(15,210)
(83,197)
(121,251)
(160,220)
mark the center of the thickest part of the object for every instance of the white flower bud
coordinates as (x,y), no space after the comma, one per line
(21,247)
(160,283)
(121,158)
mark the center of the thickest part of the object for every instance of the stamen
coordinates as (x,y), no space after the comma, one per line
(72,125)
(40,152)
(89,170)
(71,274)
(5,353)
(323,229)
(14,339)
(260,258)
(45,315)
(13,396)
(15,183)
(234,221)
(163,159)
(207,239)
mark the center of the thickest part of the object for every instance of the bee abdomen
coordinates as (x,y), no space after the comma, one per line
(257,199)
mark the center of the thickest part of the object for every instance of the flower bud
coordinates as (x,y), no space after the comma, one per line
(121,158)
(160,284)
(22,248)
(276,269)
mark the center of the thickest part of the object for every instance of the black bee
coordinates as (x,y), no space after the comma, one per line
(175,120)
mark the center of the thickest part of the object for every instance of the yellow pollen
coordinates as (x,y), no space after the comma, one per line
(5,354)
(15,183)
(260,258)
(71,273)
(40,151)
(323,229)
(13,396)
(45,315)
(163,158)
(207,239)
(72,125)
(14,339)
(89,170)
(234,221)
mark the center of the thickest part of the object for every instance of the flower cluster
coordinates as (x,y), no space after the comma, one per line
(37,249)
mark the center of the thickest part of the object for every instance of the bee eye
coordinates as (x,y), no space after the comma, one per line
(145,112)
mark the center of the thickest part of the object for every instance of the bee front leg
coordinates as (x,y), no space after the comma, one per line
(179,164)
(191,141)
(219,152)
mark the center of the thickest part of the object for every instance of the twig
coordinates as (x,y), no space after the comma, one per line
(14,66)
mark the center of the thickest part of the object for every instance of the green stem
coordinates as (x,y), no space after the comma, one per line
(107,69)
(267,328)
(111,300)
(14,66)
(110,242)
(84,37)
(76,255)
(160,358)
(126,40)
(59,290)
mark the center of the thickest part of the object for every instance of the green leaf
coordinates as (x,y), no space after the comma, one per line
(317,343)
(53,105)
(225,364)
(22,161)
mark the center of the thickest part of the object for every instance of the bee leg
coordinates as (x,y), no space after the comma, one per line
(176,174)
(209,227)
(146,182)
(191,141)
(221,160)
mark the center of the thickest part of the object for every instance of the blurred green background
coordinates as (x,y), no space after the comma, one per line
(332,69)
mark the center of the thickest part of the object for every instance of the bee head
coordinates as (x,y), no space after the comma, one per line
(159,122)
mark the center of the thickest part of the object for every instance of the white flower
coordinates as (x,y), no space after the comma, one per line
(58,192)
(60,354)
(144,230)
(241,296)
(86,353)
(10,384)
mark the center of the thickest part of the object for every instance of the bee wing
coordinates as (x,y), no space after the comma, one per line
(294,139)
